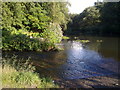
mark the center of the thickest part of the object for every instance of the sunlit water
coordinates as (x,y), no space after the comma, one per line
(83,63)
(78,60)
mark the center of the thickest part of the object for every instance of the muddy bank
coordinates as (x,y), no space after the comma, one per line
(93,82)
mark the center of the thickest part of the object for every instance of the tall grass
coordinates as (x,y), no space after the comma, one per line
(19,74)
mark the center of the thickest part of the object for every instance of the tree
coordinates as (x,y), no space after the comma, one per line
(58,12)
(30,21)
(101,19)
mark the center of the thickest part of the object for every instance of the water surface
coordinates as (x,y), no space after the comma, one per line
(99,57)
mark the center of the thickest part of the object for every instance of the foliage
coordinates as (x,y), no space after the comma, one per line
(18,64)
(20,42)
(83,22)
(32,25)
(58,12)
(110,18)
(65,37)
(100,19)
(28,16)
(18,74)
(53,34)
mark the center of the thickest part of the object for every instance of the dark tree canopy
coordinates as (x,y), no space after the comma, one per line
(101,19)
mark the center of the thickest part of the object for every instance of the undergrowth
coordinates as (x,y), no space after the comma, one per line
(17,73)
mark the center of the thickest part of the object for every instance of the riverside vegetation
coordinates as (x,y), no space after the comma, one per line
(36,26)
(102,19)
(33,26)
(17,73)
(30,26)
(39,26)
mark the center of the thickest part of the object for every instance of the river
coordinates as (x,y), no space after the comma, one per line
(78,60)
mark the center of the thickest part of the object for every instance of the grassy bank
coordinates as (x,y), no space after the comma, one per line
(19,74)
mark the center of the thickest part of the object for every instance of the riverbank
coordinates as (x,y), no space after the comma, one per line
(17,73)
(93,82)
(80,58)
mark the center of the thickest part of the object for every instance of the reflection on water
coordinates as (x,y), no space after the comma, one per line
(78,60)
(83,63)
(77,53)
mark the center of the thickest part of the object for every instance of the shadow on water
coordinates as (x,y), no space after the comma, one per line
(78,60)
(84,63)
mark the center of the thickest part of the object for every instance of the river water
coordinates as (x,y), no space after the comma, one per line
(98,57)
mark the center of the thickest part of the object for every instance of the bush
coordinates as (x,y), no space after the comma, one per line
(18,74)
(20,21)
(20,42)
(53,34)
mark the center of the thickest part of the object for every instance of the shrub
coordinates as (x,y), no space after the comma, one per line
(19,74)
(53,34)
(20,42)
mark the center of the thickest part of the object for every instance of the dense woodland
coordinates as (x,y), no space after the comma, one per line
(101,19)
(33,26)
(39,26)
